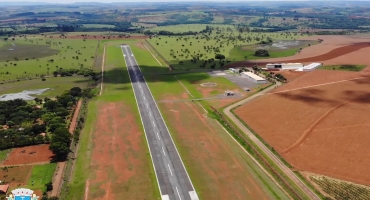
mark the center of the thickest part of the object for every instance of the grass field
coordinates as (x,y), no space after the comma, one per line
(204,146)
(37,55)
(355,68)
(41,175)
(57,85)
(224,39)
(4,154)
(134,178)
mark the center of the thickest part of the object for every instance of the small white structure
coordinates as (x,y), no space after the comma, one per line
(232,70)
(284,66)
(253,77)
(311,66)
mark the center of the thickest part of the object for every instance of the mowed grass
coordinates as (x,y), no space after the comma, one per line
(57,85)
(208,186)
(41,175)
(117,89)
(179,50)
(355,68)
(25,51)
(63,53)
(4,154)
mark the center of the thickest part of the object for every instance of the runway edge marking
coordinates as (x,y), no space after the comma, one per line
(164,197)
(195,194)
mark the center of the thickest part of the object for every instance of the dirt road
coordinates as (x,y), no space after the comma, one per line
(266,150)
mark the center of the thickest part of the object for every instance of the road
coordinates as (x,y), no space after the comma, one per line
(289,173)
(172,178)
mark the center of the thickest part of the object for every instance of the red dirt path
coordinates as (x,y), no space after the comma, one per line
(321,129)
(42,155)
(120,165)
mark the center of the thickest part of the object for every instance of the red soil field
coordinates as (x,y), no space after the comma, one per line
(321,129)
(222,173)
(16,176)
(333,50)
(41,154)
(120,166)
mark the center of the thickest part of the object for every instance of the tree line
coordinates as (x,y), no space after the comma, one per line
(24,124)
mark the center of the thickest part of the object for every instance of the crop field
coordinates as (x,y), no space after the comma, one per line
(33,57)
(324,131)
(204,146)
(224,39)
(355,68)
(114,161)
(41,175)
(338,189)
(16,175)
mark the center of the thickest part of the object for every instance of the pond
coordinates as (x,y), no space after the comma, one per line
(25,95)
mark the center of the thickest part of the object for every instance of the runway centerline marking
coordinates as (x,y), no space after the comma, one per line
(163,151)
(153,124)
(158,136)
(178,193)
(171,172)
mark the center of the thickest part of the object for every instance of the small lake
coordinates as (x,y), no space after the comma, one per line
(25,95)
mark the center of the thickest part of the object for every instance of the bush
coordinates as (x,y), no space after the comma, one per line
(43,79)
(262,53)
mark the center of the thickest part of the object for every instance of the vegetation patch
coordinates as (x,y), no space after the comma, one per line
(338,189)
(346,67)
(10,52)
(41,177)
(4,154)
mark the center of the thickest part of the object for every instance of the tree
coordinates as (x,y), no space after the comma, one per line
(49,186)
(75,91)
(262,53)
(60,142)
(219,56)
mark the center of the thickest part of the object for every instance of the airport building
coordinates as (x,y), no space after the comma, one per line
(284,66)
(311,66)
(253,77)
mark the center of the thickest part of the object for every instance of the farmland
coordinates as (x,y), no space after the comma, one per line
(29,155)
(35,57)
(332,114)
(355,68)
(191,51)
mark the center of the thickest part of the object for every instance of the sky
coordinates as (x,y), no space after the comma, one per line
(110,1)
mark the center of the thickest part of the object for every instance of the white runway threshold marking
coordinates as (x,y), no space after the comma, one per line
(178,193)
(163,151)
(170,171)
(193,195)
(165,197)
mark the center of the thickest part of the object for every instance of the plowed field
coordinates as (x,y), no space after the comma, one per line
(29,155)
(319,122)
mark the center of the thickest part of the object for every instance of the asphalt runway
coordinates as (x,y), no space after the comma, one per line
(173,180)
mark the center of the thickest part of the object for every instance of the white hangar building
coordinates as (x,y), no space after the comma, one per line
(253,77)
